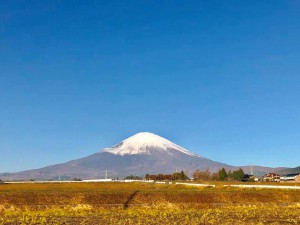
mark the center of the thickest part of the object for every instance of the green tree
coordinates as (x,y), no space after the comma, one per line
(238,174)
(182,175)
(222,175)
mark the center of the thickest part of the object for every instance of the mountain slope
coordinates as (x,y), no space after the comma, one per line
(261,170)
(94,166)
(140,154)
(290,170)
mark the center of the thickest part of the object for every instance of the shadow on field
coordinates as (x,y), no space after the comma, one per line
(130,199)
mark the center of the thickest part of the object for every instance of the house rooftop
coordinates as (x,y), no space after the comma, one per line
(291,175)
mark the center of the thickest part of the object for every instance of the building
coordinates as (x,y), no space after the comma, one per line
(294,177)
(249,178)
(271,177)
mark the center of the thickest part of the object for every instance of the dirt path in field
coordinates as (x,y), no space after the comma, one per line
(130,199)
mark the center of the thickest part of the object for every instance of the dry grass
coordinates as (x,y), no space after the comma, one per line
(139,203)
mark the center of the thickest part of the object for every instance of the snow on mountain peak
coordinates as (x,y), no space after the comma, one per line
(142,143)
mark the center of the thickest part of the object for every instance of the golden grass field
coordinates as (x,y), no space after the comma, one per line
(144,203)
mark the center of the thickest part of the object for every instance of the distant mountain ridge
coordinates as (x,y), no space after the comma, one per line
(137,155)
(289,170)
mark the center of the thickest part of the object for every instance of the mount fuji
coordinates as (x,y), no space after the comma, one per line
(139,154)
(146,143)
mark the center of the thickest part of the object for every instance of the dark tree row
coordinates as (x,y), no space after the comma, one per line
(131,177)
(174,176)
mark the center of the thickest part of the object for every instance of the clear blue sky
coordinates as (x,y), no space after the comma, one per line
(220,78)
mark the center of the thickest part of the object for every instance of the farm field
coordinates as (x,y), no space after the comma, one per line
(145,203)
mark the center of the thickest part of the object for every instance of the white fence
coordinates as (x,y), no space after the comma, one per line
(197,185)
(160,182)
(81,181)
(264,186)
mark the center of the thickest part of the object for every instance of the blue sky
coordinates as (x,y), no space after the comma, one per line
(220,78)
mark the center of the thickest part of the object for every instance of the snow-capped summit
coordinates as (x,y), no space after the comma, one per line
(144,143)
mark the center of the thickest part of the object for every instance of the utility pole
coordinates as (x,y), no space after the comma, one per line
(106,174)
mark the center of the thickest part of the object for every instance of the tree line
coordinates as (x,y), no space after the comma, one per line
(201,175)
(221,175)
